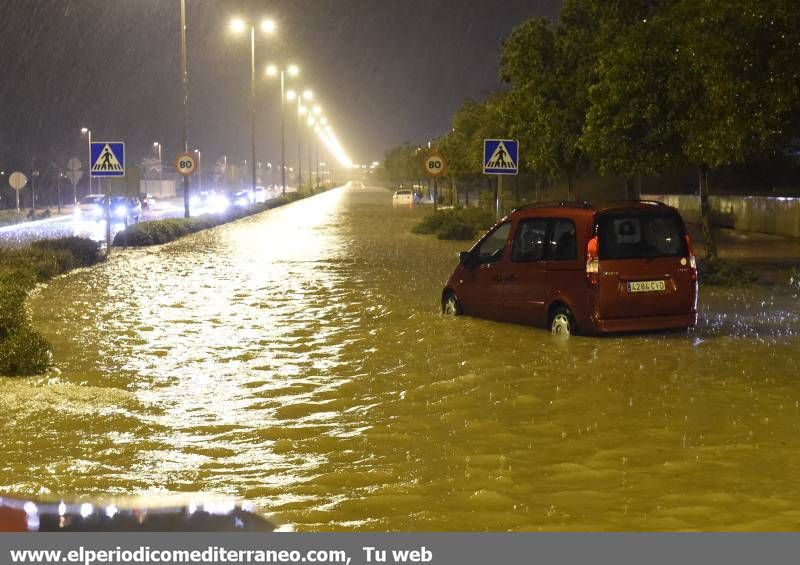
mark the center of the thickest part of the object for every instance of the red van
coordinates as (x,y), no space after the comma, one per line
(579,269)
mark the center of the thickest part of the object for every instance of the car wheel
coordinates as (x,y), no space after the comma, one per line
(450,305)
(563,322)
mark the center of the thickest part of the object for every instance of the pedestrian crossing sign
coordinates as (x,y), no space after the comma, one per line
(107,159)
(500,156)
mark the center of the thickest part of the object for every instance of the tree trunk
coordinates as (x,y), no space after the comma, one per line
(516,190)
(705,213)
(569,186)
(629,190)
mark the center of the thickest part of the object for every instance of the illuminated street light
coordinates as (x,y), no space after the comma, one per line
(239,25)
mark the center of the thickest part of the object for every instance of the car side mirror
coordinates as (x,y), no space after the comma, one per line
(466,258)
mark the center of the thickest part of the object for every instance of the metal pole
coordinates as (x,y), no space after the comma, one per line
(90,160)
(316,157)
(283,138)
(499,196)
(435,195)
(299,146)
(310,170)
(108,217)
(185,81)
(253,101)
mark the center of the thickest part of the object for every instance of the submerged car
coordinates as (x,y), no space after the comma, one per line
(577,269)
(403,198)
(92,207)
(125,209)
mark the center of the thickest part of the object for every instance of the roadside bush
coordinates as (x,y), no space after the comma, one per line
(86,252)
(461,223)
(26,352)
(23,350)
(722,272)
(156,232)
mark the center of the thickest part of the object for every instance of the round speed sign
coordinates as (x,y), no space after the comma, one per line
(185,164)
(435,165)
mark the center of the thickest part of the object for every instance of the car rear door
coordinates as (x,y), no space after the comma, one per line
(644,268)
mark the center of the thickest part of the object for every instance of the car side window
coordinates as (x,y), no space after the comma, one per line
(529,241)
(492,247)
(563,245)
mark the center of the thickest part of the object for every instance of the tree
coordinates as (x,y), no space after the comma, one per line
(735,87)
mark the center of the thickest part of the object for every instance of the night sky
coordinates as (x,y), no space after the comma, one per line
(385,71)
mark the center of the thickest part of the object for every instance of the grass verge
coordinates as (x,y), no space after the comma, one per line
(722,272)
(156,232)
(460,223)
(23,350)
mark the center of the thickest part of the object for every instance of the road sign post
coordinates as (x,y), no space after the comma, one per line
(107,160)
(500,158)
(186,165)
(435,166)
(17,181)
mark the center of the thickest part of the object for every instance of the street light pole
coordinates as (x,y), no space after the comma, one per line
(283,135)
(185,82)
(89,133)
(253,102)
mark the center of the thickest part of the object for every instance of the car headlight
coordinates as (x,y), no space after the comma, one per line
(120,211)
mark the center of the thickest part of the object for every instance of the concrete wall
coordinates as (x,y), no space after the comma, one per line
(764,214)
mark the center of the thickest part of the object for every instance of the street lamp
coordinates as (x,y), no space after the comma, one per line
(238,25)
(293,71)
(87,131)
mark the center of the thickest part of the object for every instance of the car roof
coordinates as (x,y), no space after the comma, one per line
(574,209)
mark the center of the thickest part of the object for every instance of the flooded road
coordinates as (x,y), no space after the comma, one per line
(297,358)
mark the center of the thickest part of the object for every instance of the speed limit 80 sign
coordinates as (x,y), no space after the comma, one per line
(435,165)
(185,164)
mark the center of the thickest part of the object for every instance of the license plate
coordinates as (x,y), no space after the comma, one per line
(647,286)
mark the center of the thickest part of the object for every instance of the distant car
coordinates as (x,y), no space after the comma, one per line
(126,209)
(210,201)
(91,207)
(575,268)
(403,198)
(242,198)
(146,200)
(261,194)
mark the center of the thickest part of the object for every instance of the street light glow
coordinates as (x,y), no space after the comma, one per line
(268,26)
(272,70)
(308,94)
(293,70)
(317,110)
(238,25)
(323,120)
(84,131)
(311,121)
(291,95)
(302,110)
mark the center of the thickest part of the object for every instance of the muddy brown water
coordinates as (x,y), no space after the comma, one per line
(298,359)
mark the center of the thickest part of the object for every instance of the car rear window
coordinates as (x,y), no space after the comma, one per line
(640,236)
(403,192)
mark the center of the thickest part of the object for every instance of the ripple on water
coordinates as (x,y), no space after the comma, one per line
(297,358)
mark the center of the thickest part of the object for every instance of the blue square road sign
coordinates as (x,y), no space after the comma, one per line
(107,159)
(500,156)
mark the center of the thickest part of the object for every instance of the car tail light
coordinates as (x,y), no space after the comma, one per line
(592,262)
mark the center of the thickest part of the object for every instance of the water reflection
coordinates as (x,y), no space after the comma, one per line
(298,358)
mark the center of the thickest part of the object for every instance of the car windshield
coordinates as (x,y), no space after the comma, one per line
(93,199)
(640,236)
